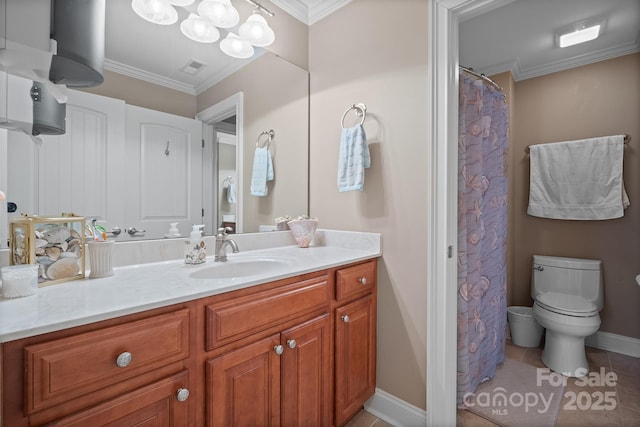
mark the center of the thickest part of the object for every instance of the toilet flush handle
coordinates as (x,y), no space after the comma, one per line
(539,268)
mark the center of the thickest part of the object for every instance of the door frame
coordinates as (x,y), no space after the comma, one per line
(233,105)
(443,59)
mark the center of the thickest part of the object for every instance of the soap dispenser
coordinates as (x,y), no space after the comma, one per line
(194,250)
(173,231)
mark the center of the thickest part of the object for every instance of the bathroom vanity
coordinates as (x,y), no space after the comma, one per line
(293,346)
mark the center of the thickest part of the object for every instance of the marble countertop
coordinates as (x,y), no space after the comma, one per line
(140,287)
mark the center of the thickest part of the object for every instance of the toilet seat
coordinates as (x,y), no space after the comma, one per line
(568,305)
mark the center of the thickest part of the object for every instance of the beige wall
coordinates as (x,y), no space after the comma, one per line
(593,100)
(506,81)
(275,97)
(357,55)
(144,94)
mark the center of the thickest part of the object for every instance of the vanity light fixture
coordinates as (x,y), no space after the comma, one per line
(212,15)
(157,11)
(579,32)
(236,47)
(256,30)
(199,29)
(221,13)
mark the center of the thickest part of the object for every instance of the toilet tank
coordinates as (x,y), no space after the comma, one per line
(572,276)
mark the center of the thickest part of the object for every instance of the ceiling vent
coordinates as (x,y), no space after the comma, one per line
(193,67)
(78,27)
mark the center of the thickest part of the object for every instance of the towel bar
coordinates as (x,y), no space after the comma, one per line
(627,138)
(270,134)
(361,111)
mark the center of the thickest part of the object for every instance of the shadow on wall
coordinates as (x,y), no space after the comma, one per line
(402,337)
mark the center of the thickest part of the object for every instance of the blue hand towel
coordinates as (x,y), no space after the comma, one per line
(231,192)
(262,171)
(353,159)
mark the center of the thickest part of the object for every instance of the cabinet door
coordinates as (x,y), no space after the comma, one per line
(243,386)
(306,375)
(156,405)
(355,370)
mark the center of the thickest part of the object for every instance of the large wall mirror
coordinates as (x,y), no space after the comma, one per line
(264,93)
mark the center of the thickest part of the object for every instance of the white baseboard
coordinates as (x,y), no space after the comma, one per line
(614,342)
(395,411)
(399,413)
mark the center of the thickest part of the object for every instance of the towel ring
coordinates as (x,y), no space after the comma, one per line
(270,134)
(361,111)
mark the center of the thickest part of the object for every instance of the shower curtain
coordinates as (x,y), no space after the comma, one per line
(482,231)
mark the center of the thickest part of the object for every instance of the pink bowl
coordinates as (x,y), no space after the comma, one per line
(303,230)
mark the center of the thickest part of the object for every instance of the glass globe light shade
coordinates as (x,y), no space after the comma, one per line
(199,29)
(220,12)
(156,11)
(235,47)
(181,3)
(256,31)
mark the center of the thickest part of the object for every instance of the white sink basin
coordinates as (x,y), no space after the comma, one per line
(242,267)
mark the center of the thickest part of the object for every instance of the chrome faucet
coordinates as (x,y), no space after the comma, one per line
(222,240)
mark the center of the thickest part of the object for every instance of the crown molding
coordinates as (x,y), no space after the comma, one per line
(139,74)
(310,11)
(522,73)
(146,76)
(226,72)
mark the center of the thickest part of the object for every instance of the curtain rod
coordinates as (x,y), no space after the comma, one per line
(481,76)
(627,138)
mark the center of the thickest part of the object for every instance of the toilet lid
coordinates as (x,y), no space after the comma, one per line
(569,304)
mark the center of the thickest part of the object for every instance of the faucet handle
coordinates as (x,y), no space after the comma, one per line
(222,231)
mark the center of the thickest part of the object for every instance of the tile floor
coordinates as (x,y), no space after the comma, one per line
(626,392)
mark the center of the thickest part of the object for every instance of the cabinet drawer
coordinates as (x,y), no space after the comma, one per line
(243,316)
(68,368)
(156,404)
(356,280)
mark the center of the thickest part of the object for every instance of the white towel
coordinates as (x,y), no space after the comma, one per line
(580,180)
(262,171)
(231,192)
(353,158)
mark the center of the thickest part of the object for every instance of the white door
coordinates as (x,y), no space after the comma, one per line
(79,171)
(163,172)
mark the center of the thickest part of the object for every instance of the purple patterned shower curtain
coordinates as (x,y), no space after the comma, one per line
(483,142)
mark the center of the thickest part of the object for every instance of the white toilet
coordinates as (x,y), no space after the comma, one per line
(568,297)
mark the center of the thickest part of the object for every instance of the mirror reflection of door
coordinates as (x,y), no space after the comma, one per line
(227,172)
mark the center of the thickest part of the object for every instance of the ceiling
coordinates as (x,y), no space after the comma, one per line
(518,36)
(513,35)
(157,53)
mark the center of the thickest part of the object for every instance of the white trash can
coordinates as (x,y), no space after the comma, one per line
(525,329)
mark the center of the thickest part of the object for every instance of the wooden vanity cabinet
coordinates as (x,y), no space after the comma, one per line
(317,369)
(114,372)
(355,339)
(280,380)
(294,352)
(273,366)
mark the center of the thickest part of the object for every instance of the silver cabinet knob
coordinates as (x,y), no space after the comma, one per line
(182,394)
(345,318)
(292,343)
(278,349)
(362,280)
(124,359)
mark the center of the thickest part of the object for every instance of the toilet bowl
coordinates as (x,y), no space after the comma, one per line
(568,298)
